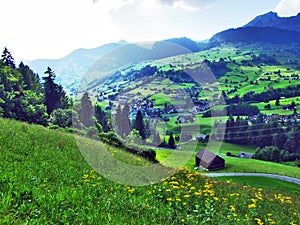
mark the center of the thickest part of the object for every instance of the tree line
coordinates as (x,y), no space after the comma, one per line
(281,137)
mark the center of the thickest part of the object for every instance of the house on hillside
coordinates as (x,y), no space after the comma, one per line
(245,155)
(209,160)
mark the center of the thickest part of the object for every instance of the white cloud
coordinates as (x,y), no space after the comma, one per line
(183,5)
(288,8)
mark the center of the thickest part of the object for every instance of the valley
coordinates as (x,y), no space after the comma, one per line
(132,131)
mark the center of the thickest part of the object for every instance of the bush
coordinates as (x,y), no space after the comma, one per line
(53,127)
(92,132)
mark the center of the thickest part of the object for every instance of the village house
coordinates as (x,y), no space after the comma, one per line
(245,155)
(209,160)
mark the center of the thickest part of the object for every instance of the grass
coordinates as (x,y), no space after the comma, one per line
(45,179)
(232,164)
(266,183)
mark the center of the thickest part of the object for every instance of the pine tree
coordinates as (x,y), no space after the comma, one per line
(101,118)
(171,142)
(7,59)
(31,80)
(125,120)
(139,124)
(55,96)
(86,111)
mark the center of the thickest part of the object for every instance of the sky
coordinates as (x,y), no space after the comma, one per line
(34,29)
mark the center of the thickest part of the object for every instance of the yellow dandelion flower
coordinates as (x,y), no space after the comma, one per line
(184,203)
(131,190)
(232,208)
(182,220)
(251,206)
(186,196)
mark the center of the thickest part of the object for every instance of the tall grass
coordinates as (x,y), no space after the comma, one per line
(45,180)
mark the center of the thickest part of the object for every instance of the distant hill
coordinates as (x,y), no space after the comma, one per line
(271,19)
(267,28)
(188,43)
(70,69)
(250,35)
(128,55)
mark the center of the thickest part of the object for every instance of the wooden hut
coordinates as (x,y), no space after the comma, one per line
(209,160)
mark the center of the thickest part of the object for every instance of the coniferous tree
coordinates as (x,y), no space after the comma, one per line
(86,111)
(101,118)
(55,96)
(125,120)
(139,124)
(171,142)
(7,59)
(31,80)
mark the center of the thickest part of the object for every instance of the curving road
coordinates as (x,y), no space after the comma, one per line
(285,178)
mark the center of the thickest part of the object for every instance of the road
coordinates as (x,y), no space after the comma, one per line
(285,178)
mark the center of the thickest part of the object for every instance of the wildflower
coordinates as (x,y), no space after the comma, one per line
(259,221)
(85,176)
(182,220)
(169,199)
(186,196)
(174,182)
(131,190)
(184,203)
(232,208)
(251,206)
(247,217)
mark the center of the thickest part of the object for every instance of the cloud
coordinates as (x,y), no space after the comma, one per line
(187,5)
(288,7)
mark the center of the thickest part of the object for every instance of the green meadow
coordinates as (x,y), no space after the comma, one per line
(45,179)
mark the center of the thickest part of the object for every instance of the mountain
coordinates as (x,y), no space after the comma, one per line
(271,19)
(70,69)
(267,29)
(251,35)
(187,43)
(128,55)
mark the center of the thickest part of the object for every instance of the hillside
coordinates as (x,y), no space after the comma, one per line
(71,68)
(264,29)
(259,35)
(125,56)
(44,179)
(271,19)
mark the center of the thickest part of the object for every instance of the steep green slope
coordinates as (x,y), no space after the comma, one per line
(44,180)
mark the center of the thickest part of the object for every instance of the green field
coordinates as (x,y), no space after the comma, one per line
(265,182)
(44,179)
(231,164)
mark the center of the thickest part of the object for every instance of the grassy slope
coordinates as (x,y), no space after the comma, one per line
(45,180)
(265,182)
(235,164)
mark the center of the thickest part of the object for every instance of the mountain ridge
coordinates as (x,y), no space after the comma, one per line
(271,19)
(268,28)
